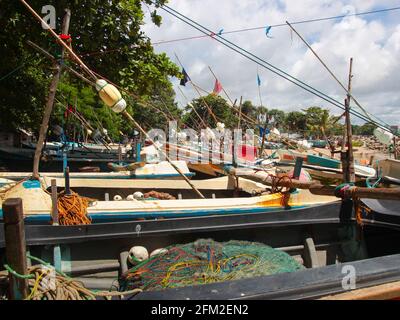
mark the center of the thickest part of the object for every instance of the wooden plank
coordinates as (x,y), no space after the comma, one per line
(386,291)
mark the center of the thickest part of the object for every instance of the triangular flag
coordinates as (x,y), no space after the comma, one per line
(185,78)
(217,87)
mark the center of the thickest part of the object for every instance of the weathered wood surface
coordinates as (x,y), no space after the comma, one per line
(387,291)
(14,232)
(315,187)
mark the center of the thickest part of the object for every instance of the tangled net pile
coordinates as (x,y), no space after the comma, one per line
(207,261)
(72,209)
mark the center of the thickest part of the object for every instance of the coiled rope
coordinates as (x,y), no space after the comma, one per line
(45,286)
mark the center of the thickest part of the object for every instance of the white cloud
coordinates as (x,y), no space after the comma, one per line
(372,40)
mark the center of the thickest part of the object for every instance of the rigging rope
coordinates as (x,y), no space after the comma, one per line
(266,65)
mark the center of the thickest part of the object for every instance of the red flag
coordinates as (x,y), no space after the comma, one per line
(217,87)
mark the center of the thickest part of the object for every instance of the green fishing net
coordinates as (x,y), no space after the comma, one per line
(207,261)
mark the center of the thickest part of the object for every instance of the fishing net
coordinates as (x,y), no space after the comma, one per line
(207,261)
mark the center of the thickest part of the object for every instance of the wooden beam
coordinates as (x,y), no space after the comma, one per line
(14,233)
(387,291)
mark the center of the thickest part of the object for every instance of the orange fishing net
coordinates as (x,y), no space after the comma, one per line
(72,209)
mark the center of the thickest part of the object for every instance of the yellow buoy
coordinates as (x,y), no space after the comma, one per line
(110,95)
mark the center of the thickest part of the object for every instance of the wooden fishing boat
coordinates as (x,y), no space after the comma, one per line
(321,239)
(389,168)
(162,170)
(224,196)
(78,155)
(322,167)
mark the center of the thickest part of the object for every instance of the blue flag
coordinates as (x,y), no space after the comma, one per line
(185,78)
(258,80)
(267,30)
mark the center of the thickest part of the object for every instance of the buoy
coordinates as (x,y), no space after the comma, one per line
(130,197)
(117,198)
(220,126)
(383,136)
(137,254)
(158,251)
(138,195)
(110,96)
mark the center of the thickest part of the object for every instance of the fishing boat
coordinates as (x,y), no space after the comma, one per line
(161,170)
(324,240)
(322,167)
(389,170)
(223,196)
(55,153)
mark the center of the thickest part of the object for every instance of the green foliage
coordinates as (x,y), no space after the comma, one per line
(108,36)
(219,107)
(366,129)
(296,121)
(319,122)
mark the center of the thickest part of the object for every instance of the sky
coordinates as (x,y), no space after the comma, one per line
(373,41)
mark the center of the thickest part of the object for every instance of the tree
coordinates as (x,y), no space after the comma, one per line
(319,122)
(296,121)
(219,108)
(107,35)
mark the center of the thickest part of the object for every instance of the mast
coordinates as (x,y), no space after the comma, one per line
(50,100)
(348,174)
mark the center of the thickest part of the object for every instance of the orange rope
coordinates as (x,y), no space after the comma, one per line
(358,207)
(72,209)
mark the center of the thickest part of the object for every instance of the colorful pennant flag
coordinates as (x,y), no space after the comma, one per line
(185,78)
(217,87)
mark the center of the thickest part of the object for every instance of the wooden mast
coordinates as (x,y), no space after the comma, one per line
(50,101)
(349,175)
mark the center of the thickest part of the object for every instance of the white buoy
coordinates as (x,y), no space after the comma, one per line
(130,197)
(158,251)
(137,254)
(117,198)
(138,195)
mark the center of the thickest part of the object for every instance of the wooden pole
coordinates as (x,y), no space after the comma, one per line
(349,156)
(59,40)
(67,181)
(330,72)
(50,100)
(263,137)
(240,111)
(315,187)
(54,209)
(223,89)
(14,232)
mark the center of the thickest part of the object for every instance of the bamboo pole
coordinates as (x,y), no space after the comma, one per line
(133,121)
(59,40)
(349,156)
(198,92)
(125,113)
(223,89)
(348,92)
(50,100)
(240,111)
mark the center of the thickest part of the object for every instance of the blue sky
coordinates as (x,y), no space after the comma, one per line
(372,40)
